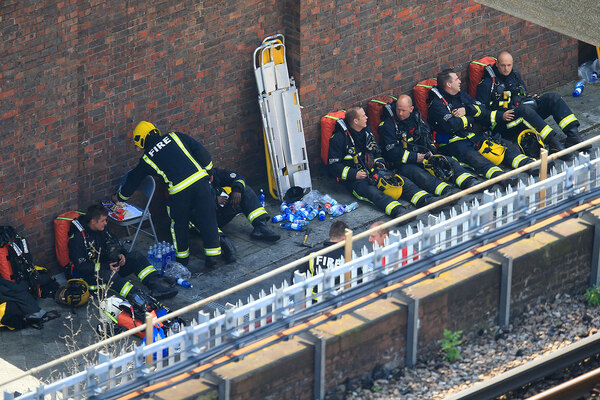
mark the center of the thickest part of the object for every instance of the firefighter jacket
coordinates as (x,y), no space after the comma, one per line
(91,250)
(456,128)
(501,92)
(351,151)
(402,140)
(224,177)
(177,158)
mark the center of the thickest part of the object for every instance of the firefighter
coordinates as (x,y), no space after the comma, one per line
(184,164)
(354,159)
(99,258)
(406,142)
(233,196)
(452,113)
(507,90)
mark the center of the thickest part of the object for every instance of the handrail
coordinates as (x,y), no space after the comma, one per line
(298,262)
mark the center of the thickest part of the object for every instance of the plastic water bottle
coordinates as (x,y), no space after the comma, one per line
(159,265)
(285,209)
(322,215)
(173,253)
(351,207)
(151,255)
(578,88)
(184,283)
(261,197)
(312,213)
(278,218)
(175,329)
(289,217)
(301,222)
(292,226)
(336,210)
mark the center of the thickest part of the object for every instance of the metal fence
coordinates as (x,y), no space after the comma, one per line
(210,336)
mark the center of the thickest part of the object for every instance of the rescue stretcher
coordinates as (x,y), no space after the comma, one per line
(285,147)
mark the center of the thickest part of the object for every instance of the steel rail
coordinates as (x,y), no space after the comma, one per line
(573,389)
(359,296)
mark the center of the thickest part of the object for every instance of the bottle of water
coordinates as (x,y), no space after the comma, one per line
(175,329)
(292,226)
(172,253)
(301,213)
(184,283)
(312,213)
(578,88)
(289,217)
(336,210)
(261,197)
(301,222)
(285,209)
(322,215)
(351,207)
(151,255)
(159,265)
(278,218)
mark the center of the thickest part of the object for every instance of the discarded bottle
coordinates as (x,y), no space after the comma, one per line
(312,213)
(290,217)
(261,197)
(578,88)
(301,213)
(285,209)
(588,72)
(322,215)
(351,207)
(184,283)
(292,226)
(175,329)
(336,210)
(301,222)
(278,218)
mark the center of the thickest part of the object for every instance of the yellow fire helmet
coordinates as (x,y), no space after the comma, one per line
(75,293)
(391,185)
(492,151)
(530,143)
(143,129)
(439,166)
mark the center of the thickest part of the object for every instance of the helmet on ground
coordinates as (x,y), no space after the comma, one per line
(530,143)
(75,293)
(110,309)
(439,166)
(391,185)
(143,129)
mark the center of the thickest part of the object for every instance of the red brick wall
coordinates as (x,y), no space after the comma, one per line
(76,76)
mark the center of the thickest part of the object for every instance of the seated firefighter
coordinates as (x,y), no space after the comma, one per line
(233,196)
(503,88)
(408,148)
(453,115)
(354,159)
(99,258)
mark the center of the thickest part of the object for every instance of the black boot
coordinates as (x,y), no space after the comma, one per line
(227,249)
(398,211)
(157,289)
(573,138)
(554,146)
(210,261)
(472,181)
(261,232)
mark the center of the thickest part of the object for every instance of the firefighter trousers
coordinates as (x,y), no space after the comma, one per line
(249,205)
(464,151)
(195,203)
(426,181)
(365,191)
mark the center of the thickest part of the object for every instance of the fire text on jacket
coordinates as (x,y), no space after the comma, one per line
(166,140)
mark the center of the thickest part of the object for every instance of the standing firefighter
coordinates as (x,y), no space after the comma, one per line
(184,165)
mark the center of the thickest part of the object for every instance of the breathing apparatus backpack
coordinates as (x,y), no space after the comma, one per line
(375,109)
(477,70)
(62,226)
(421,93)
(328,123)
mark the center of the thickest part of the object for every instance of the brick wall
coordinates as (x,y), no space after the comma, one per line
(76,76)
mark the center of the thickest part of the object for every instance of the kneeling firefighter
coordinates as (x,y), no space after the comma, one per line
(99,258)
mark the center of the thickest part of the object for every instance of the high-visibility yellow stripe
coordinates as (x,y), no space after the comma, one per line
(209,166)
(242,182)
(187,182)
(146,271)
(514,123)
(125,289)
(545,132)
(213,251)
(96,267)
(417,196)
(493,117)
(491,172)
(158,170)
(517,160)
(362,198)
(390,207)
(182,254)
(462,177)
(478,113)
(465,121)
(256,213)
(348,157)
(455,138)
(566,121)
(186,152)
(405,156)
(440,188)
(345,173)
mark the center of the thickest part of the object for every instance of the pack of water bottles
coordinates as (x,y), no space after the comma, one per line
(159,255)
(295,216)
(588,73)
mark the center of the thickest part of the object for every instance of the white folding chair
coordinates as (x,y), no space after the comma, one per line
(147,188)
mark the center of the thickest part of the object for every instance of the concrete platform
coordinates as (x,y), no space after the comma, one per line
(30,348)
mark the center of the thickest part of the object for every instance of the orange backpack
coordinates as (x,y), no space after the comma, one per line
(420,94)
(6,271)
(477,71)
(374,109)
(62,225)
(327,127)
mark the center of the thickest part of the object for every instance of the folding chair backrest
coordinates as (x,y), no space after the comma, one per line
(147,188)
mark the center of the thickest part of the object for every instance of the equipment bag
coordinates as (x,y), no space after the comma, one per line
(492,151)
(62,225)
(327,128)
(420,95)
(477,71)
(6,271)
(374,110)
